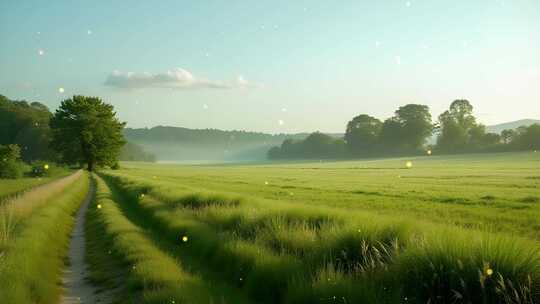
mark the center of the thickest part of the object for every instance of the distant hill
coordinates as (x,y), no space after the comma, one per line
(179,144)
(511,125)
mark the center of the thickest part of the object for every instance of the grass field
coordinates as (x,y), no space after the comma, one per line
(449,229)
(34,234)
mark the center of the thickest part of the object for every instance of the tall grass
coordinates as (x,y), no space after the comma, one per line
(283,252)
(151,275)
(34,250)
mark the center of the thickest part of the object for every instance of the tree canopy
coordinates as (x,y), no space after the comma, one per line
(459,131)
(362,134)
(85,130)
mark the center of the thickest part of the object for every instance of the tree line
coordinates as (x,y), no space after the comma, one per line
(407,133)
(82,131)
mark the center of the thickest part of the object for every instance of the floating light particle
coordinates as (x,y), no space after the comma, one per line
(377,44)
(398,60)
(41,52)
(489,271)
(89,32)
(408,3)
(283,109)
(290,193)
(61,90)
(266,183)
(429,152)
(281,122)
(46,166)
(185,238)
(154,177)
(36,124)
(408,164)
(241,279)
(205,106)
(99,206)
(142,195)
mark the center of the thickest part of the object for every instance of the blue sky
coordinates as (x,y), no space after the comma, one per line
(274,66)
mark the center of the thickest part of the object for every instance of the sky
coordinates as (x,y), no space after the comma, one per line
(278,66)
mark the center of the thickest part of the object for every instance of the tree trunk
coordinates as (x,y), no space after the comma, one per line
(90,166)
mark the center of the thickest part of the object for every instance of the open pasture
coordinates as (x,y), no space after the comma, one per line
(458,228)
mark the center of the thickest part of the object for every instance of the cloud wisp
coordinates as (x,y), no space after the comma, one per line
(173,79)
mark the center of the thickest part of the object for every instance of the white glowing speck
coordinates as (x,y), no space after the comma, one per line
(39,33)
(41,52)
(398,60)
(408,3)
(89,32)
(61,90)
(377,44)
(281,122)
(266,183)
(205,106)
(283,109)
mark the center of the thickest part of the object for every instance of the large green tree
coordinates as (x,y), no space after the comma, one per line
(459,131)
(85,130)
(362,134)
(408,130)
(416,125)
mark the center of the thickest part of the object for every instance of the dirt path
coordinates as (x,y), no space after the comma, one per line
(76,288)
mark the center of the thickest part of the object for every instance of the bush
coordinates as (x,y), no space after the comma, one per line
(11,169)
(10,165)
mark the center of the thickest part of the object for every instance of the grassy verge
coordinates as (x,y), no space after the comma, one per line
(12,188)
(34,248)
(152,275)
(297,253)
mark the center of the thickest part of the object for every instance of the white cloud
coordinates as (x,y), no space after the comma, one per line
(176,79)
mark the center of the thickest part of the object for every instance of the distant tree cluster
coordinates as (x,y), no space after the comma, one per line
(405,132)
(408,132)
(316,145)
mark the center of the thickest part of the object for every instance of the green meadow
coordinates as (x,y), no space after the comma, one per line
(461,228)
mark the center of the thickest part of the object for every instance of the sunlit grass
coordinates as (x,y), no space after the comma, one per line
(35,233)
(300,249)
(152,275)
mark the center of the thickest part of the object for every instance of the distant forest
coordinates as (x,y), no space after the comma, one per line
(26,125)
(176,143)
(408,132)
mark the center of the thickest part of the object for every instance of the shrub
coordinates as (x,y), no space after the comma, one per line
(10,164)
